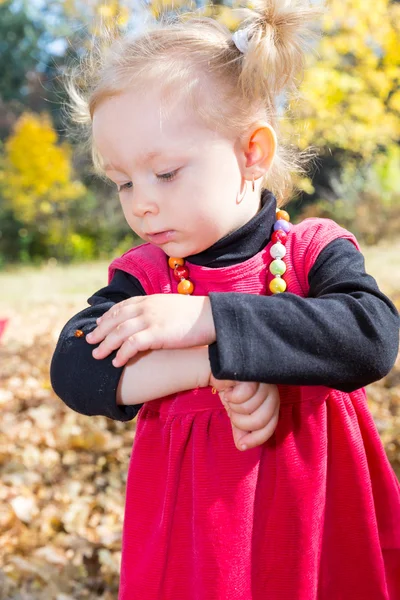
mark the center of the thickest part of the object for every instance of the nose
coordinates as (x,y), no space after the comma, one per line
(143,204)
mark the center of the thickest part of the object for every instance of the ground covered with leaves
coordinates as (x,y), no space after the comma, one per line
(62,488)
(62,475)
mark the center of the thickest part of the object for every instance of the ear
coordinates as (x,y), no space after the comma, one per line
(258,151)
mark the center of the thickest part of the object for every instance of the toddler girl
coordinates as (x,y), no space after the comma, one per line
(184,122)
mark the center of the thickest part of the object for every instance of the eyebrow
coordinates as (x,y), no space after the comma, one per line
(144,157)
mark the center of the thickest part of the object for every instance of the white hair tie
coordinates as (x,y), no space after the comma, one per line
(241,40)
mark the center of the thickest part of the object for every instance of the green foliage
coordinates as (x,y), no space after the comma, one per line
(19,53)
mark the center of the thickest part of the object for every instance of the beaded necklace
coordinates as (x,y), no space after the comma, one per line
(277,267)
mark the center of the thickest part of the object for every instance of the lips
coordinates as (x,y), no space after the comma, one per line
(160,237)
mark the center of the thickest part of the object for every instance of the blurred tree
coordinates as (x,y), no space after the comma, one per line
(350,101)
(37,183)
(19,50)
(38,171)
(20,53)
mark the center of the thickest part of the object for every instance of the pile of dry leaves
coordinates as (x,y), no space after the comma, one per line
(62,479)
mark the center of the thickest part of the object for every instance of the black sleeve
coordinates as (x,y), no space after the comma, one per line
(344,335)
(85,384)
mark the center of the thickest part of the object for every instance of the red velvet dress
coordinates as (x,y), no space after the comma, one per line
(312,514)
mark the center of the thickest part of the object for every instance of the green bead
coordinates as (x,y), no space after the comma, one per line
(277,267)
(277,285)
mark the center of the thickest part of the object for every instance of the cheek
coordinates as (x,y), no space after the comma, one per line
(124,207)
(127,213)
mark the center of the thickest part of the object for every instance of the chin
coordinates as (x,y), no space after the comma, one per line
(178,250)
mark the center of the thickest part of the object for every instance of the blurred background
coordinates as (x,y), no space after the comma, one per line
(62,475)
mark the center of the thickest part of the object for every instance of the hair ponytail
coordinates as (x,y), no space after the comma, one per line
(278,33)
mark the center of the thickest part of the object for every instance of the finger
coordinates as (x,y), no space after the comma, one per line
(117,337)
(259,436)
(117,315)
(244,390)
(227,409)
(258,419)
(140,342)
(238,436)
(263,391)
(123,304)
(248,407)
(224,402)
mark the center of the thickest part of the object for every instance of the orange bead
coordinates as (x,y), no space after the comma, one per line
(282,214)
(79,333)
(175,262)
(185,287)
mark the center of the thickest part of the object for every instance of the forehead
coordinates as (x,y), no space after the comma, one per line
(141,126)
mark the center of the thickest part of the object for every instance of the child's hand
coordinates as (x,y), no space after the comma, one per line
(253,409)
(151,323)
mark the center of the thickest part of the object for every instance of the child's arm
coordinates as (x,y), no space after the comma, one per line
(344,335)
(157,373)
(89,386)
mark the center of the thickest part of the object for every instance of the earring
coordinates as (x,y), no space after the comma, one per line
(239,198)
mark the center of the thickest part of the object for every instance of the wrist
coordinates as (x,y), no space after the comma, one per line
(204,368)
(207,311)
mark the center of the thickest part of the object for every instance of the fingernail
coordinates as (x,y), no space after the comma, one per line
(243,447)
(95,352)
(115,362)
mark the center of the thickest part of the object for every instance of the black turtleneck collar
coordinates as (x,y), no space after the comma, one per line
(245,242)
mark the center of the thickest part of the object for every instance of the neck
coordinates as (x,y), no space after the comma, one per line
(244,242)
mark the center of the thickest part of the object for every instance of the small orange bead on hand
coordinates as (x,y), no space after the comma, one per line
(185,287)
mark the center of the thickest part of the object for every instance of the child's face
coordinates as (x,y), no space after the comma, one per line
(188,190)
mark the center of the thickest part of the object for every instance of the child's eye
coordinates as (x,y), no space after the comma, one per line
(163,177)
(168,176)
(125,186)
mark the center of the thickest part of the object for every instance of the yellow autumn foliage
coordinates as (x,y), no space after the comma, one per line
(350,97)
(100,13)
(36,175)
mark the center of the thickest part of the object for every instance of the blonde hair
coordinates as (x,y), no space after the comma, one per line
(191,51)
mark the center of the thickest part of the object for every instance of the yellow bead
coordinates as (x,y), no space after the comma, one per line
(277,285)
(282,214)
(174,262)
(185,287)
